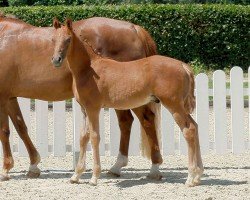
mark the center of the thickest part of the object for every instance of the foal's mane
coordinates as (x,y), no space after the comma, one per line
(90,50)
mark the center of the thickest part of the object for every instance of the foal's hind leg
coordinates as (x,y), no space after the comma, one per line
(19,123)
(146,117)
(8,161)
(125,119)
(190,132)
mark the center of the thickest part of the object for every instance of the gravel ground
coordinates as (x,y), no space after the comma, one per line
(225,177)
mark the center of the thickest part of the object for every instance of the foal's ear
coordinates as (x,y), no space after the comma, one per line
(56,23)
(68,24)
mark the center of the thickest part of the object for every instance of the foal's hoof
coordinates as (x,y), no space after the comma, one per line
(74,179)
(194,177)
(191,183)
(93,181)
(155,176)
(4,177)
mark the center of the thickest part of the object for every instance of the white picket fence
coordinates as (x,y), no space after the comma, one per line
(223,135)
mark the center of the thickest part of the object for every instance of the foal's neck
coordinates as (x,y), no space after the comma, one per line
(77,57)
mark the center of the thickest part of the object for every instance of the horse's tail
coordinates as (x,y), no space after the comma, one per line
(145,145)
(189,102)
(149,44)
(150,49)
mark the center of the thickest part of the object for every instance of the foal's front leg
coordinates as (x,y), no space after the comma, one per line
(93,116)
(81,165)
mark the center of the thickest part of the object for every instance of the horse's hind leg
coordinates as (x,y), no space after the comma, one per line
(190,131)
(18,121)
(146,118)
(8,161)
(125,119)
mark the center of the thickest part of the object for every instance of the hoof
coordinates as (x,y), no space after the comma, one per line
(93,181)
(34,172)
(156,177)
(155,173)
(191,183)
(194,178)
(74,179)
(114,174)
(4,177)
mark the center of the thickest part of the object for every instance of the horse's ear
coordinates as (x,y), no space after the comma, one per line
(56,23)
(68,23)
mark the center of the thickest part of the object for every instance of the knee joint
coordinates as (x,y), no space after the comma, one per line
(6,132)
(190,134)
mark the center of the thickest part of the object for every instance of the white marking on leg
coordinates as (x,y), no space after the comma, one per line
(155,172)
(34,169)
(121,161)
(93,181)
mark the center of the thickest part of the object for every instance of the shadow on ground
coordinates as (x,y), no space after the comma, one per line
(133,177)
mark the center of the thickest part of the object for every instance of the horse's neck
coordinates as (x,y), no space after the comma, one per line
(77,57)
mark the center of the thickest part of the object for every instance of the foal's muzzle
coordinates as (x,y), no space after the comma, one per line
(57,61)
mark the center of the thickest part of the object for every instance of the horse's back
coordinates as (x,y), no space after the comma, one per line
(112,38)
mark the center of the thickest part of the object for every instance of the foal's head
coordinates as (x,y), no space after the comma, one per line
(62,39)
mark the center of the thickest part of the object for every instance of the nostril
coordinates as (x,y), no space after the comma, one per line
(59,59)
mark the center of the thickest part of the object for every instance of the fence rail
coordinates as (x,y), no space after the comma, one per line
(216,136)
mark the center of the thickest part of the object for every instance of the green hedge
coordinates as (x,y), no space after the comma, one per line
(214,35)
(105,2)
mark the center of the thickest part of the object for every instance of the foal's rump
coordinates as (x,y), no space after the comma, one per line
(174,81)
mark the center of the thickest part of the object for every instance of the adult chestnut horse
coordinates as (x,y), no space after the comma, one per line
(25,71)
(102,82)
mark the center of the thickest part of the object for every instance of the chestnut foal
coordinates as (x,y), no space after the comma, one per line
(124,85)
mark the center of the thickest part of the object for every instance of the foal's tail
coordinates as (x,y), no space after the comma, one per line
(189,102)
(149,45)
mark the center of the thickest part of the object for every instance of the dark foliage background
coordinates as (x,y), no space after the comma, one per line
(216,36)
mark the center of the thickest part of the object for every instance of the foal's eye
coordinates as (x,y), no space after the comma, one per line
(68,39)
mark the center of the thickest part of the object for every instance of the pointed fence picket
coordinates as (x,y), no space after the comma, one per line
(167,129)
(220,115)
(42,127)
(202,111)
(237,113)
(25,109)
(219,140)
(59,140)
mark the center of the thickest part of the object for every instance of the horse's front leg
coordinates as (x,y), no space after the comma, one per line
(8,161)
(19,123)
(93,116)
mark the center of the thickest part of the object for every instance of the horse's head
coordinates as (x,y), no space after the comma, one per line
(62,39)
